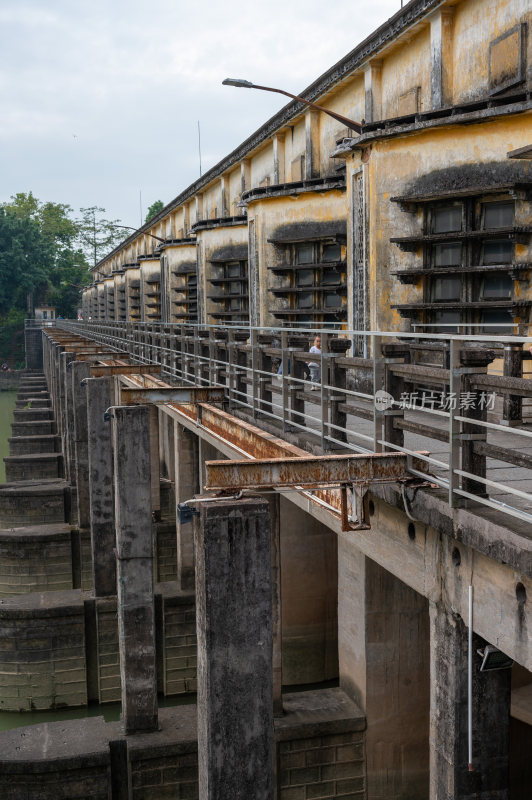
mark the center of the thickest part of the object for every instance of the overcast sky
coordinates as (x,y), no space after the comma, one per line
(100,100)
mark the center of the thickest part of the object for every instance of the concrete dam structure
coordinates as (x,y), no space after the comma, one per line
(122,578)
(281,471)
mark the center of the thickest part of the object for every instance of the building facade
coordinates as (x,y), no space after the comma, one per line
(421,219)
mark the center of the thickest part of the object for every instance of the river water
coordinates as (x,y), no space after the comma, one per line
(109,711)
(7,404)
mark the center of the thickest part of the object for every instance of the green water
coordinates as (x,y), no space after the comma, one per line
(109,711)
(7,404)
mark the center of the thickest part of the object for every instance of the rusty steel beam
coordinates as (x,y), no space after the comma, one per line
(311,471)
(98,355)
(174,394)
(105,370)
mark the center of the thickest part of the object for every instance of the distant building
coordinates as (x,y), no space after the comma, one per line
(45,312)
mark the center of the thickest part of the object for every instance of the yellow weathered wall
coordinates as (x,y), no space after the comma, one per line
(176,255)
(262,166)
(476,23)
(276,211)
(405,69)
(209,241)
(392,166)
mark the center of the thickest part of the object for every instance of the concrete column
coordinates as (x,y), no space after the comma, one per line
(279,158)
(441,58)
(101,503)
(234,620)
(312,144)
(245,175)
(277,631)
(383,631)
(224,210)
(134,546)
(373,91)
(449,774)
(154,460)
(68,359)
(186,486)
(80,370)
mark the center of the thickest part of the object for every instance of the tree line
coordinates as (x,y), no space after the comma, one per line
(46,252)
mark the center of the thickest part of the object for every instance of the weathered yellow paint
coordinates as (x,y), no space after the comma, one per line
(405,69)
(476,24)
(399,78)
(394,164)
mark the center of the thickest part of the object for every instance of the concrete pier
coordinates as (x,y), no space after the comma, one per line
(449,773)
(101,503)
(235,672)
(80,371)
(186,486)
(134,552)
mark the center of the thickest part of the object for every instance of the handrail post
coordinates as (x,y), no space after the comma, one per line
(265,377)
(337,348)
(395,386)
(297,374)
(285,383)
(454,425)
(378,381)
(474,361)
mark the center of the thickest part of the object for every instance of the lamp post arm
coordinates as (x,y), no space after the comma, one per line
(131,228)
(349,123)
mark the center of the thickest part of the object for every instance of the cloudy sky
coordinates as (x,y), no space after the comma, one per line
(100,99)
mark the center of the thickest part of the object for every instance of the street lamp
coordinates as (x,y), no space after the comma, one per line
(242,84)
(130,228)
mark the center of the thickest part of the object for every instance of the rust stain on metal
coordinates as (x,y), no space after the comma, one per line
(259,444)
(104,370)
(99,355)
(173,394)
(306,471)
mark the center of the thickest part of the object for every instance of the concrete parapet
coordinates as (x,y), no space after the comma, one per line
(35,559)
(319,749)
(36,766)
(42,652)
(32,503)
(34,428)
(33,402)
(22,445)
(30,394)
(33,466)
(32,414)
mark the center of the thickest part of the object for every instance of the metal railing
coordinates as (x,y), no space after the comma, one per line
(460,397)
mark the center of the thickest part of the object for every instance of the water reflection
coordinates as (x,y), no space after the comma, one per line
(109,711)
(7,404)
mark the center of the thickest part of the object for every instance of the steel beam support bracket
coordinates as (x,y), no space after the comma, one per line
(354,472)
(181,395)
(360,519)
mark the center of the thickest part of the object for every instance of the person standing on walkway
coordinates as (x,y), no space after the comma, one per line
(314,366)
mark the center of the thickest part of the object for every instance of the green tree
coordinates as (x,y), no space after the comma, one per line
(97,236)
(154,210)
(25,260)
(39,256)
